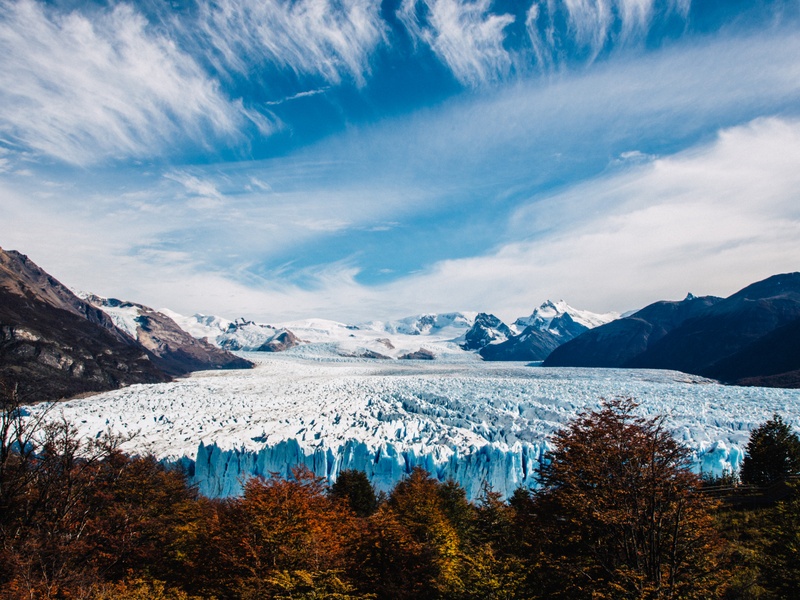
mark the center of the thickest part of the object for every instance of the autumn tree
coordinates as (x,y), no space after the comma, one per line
(772,453)
(45,525)
(621,513)
(286,536)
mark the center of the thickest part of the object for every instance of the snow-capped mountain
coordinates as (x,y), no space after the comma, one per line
(177,351)
(549,317)
(549,326)
(240,334)
(445,325)
(486,329)
(423,336)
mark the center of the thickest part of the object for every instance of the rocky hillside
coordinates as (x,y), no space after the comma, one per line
(56,345)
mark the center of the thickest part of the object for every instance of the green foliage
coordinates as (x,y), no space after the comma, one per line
(784,548)
(773,453)
(355,488)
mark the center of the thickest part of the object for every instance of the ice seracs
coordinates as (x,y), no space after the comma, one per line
(478,423)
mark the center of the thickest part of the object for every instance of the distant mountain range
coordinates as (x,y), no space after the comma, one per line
(426,336)
(54,344)
(549,326)
(749,338)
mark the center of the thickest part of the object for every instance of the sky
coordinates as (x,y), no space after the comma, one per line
(357,160)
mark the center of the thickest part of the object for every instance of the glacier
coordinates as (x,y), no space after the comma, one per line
(484,425)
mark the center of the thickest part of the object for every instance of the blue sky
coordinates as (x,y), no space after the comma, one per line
(355,159)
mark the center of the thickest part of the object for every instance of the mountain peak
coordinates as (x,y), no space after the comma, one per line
(543,317)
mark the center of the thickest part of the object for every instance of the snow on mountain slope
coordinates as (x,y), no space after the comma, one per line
(543,316)
(377,339)
(445,325)
(436,335)
(175,351)
(473,422)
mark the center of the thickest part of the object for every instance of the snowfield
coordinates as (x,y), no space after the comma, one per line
(479,423)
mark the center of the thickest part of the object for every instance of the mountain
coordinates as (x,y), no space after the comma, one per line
(55,345)
(733,324)
(176,351)
(617,343)
(770,361)
(749,337)
(443,325)
(321,337)
(549,326)
(486,329)
(428,335)
(548,316)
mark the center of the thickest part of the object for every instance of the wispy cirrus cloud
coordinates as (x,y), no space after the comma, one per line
(592,25)
(83,87)
(464,34)
(474,40)
(323,38)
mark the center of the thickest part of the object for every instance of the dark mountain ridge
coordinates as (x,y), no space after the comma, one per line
(750,335)
(617,343)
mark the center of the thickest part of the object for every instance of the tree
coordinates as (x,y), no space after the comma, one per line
(621,513)
(285,534)
(773,452)
(354,487)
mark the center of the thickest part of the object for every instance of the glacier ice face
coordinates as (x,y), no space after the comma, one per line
(221,473)
(477,423)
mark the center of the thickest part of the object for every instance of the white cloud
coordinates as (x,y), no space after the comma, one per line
(298,95)
(710,220)
(326,38)
(194,185)
(464,34)
(85,87)
(592,24)
(323,225)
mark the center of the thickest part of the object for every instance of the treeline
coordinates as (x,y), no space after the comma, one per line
(619,515)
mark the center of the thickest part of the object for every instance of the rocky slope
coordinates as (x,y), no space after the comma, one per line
(697,345)
(54,345)
(176,351)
